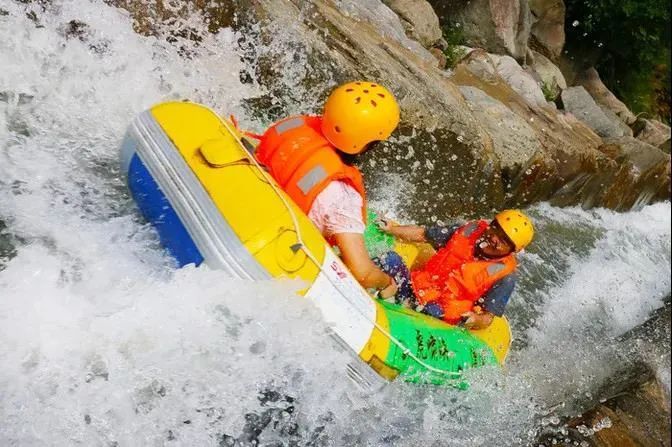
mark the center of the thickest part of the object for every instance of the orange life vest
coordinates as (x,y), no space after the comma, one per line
(303,162)
(455,278)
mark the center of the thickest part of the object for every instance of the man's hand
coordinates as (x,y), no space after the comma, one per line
(384,224)
(475,321)
(390,290)
(408,233)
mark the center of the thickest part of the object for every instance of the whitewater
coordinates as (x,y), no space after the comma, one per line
(103,342)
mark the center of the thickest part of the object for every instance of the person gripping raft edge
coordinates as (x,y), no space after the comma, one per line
(310,158)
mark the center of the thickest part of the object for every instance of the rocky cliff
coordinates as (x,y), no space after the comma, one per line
(500,128)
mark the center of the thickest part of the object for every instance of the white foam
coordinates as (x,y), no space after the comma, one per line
(101,341)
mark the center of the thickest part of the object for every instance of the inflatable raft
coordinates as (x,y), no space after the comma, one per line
(194,177)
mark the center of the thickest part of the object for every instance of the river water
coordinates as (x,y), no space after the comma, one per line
(103,342)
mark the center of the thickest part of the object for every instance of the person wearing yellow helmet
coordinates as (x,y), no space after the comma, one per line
(470,277)
(311,159)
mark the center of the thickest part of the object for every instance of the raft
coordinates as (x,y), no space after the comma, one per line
(194,178)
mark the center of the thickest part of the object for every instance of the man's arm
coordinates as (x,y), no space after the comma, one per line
(356,258)
(437,235)
(492,303)
(408,233)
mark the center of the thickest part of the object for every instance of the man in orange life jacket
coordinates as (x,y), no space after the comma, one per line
(472,275)
(309,157)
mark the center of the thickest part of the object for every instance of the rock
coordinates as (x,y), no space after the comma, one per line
(519,80)
(551,78)
(499,26)
(548,28)
(383,19)
(440,57)
(568,148)
(643,174)
(577,101)
(634,174)
(624,128)
(632,407)
(76,29)
(480,63)
(653,132)
(452,156)
(151,20)
(514,141)
(421,18)
(590,80)
(638,417)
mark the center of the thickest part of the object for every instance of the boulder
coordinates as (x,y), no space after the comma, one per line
(513,140)
(550,76)
(577,101)
(638,174)
(632,406)
(590,80)
(479,62)
(624,128)
(384,20)
(441,59)
(421,21)
(636,417)
(566,148)
(653,132)
(548,28)
(520,80)
(499,26)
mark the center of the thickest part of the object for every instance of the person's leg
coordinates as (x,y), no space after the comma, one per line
(392,264)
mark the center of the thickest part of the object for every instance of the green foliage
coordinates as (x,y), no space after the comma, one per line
(550,91)
(454,37)
(629,43)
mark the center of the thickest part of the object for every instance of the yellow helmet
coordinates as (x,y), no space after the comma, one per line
(517,226)
(359,113)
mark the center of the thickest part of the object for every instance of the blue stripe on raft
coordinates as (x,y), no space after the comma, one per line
(158,211)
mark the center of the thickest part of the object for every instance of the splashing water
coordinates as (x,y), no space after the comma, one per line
(102,342)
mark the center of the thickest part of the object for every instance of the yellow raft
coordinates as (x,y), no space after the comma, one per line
(195,179)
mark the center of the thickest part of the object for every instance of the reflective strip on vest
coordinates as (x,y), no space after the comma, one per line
(289,124)
(470,228)
(312,179)
(495,268)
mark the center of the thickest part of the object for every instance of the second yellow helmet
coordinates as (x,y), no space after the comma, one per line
(517,226)
(359,113)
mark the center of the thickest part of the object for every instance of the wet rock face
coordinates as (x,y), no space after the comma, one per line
(550,76)
(519,80)
(474,139)
(653,132)
(421,21)
(514,141)
(642,177)
(577,101)
(7,249)
(443,176)
(150,14)
(499,26)
(638,417)
(548,28)
(590,80)
(633,407)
